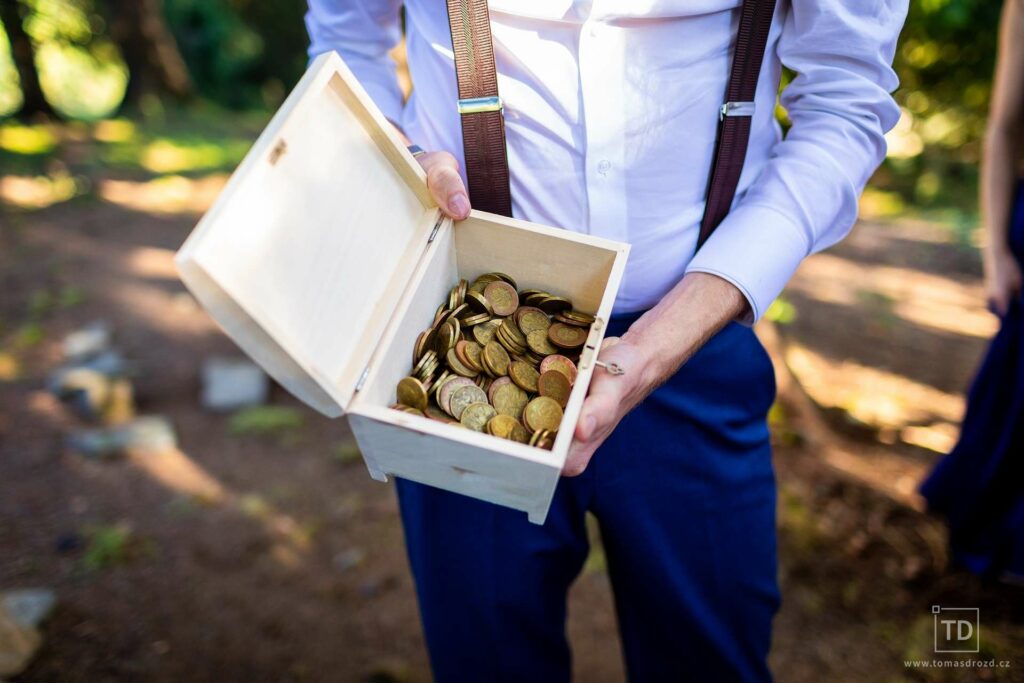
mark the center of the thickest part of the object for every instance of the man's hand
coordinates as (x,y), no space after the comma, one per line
(650,352)
(610,398)
(445,183)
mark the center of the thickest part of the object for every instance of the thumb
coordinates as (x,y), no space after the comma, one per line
(445,184)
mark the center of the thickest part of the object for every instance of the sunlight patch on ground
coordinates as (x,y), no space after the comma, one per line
(928,300)
(168,195)
(152,262)
(114,131)
(20,139)
(37,192)
(178,472)
(167,156)
(874,397)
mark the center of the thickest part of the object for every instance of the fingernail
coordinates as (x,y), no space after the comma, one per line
(459,205)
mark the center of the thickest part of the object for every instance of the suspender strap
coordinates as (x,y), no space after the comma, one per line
(736,114)
(483,125)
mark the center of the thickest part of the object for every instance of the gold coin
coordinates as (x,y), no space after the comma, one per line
(476,416)
(471,320)
(543,413)
(479,303)
(506,278)
(530,319)
(472,354)
(411,393)
(447,335)
(562,365)
(501,425)
(503,298)
(495,384)
(524,375)
(566,336)
(444,394)
(554,304)
(485,332)
(436,414)
(465,396)
(463,287)
(566,320)
(539,344)
(510,400)
(512,331)
(554,384)
(495,358)
(457,366)
(580,316)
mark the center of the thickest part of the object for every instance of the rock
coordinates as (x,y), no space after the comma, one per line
(148,434)
(96,389)
(85,391)
(88,341)
(348,559)
(18,644)
(231,383)
(29,607)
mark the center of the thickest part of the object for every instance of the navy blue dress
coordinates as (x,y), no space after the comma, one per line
(979,486)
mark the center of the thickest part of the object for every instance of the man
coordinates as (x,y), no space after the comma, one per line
(611,110)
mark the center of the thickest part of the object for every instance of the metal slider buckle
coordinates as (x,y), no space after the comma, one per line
(475,105)
(736,109)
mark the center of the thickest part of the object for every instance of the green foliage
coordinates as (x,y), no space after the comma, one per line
(265,421)
(945,61)
(107,546)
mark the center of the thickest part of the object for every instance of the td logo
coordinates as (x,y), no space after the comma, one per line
(956,629)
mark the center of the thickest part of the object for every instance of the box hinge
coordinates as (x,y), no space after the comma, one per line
(437,226)
(362,378)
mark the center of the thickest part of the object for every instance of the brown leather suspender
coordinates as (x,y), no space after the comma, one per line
(736,114)
(483,126)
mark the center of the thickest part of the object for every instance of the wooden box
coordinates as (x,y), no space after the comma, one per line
(325,256)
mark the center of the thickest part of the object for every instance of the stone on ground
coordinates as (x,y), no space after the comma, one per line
(231,383)
(88,341)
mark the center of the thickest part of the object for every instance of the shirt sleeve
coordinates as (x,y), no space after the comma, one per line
(362,32)
(805,198)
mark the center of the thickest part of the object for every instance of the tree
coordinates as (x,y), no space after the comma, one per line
(149,49)
(12,14)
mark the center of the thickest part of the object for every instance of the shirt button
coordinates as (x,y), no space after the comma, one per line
(603,166)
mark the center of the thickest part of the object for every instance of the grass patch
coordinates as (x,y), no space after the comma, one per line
(264,421)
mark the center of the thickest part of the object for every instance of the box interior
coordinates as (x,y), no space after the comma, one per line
(468,249)
(336,194)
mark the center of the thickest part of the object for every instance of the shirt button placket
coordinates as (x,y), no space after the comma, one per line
(601,84)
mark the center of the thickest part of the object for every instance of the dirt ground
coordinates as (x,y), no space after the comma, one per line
(276,557)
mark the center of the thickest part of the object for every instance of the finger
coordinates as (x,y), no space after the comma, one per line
(597,413)
(445,184)
(577,462)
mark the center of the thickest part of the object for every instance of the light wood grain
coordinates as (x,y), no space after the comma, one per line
(316,260)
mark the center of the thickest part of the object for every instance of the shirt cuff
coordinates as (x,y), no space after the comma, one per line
(757,249)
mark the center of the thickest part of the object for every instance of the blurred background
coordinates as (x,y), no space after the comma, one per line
(175,515)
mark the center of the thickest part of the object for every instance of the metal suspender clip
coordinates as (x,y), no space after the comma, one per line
(475,105)
(736,109)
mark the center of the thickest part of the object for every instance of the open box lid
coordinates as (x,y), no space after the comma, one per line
(304,255)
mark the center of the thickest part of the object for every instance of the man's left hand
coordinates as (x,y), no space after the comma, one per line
(610,398)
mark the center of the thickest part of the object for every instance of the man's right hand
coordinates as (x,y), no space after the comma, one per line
(445,183)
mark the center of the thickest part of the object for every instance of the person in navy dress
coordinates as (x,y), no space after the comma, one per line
(979,486)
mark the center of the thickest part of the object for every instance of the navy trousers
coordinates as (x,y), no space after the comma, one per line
(684,493)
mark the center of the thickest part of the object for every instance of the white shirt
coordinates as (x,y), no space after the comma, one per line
(611,113)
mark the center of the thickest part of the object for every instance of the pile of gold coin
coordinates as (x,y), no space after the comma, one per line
(497,360)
